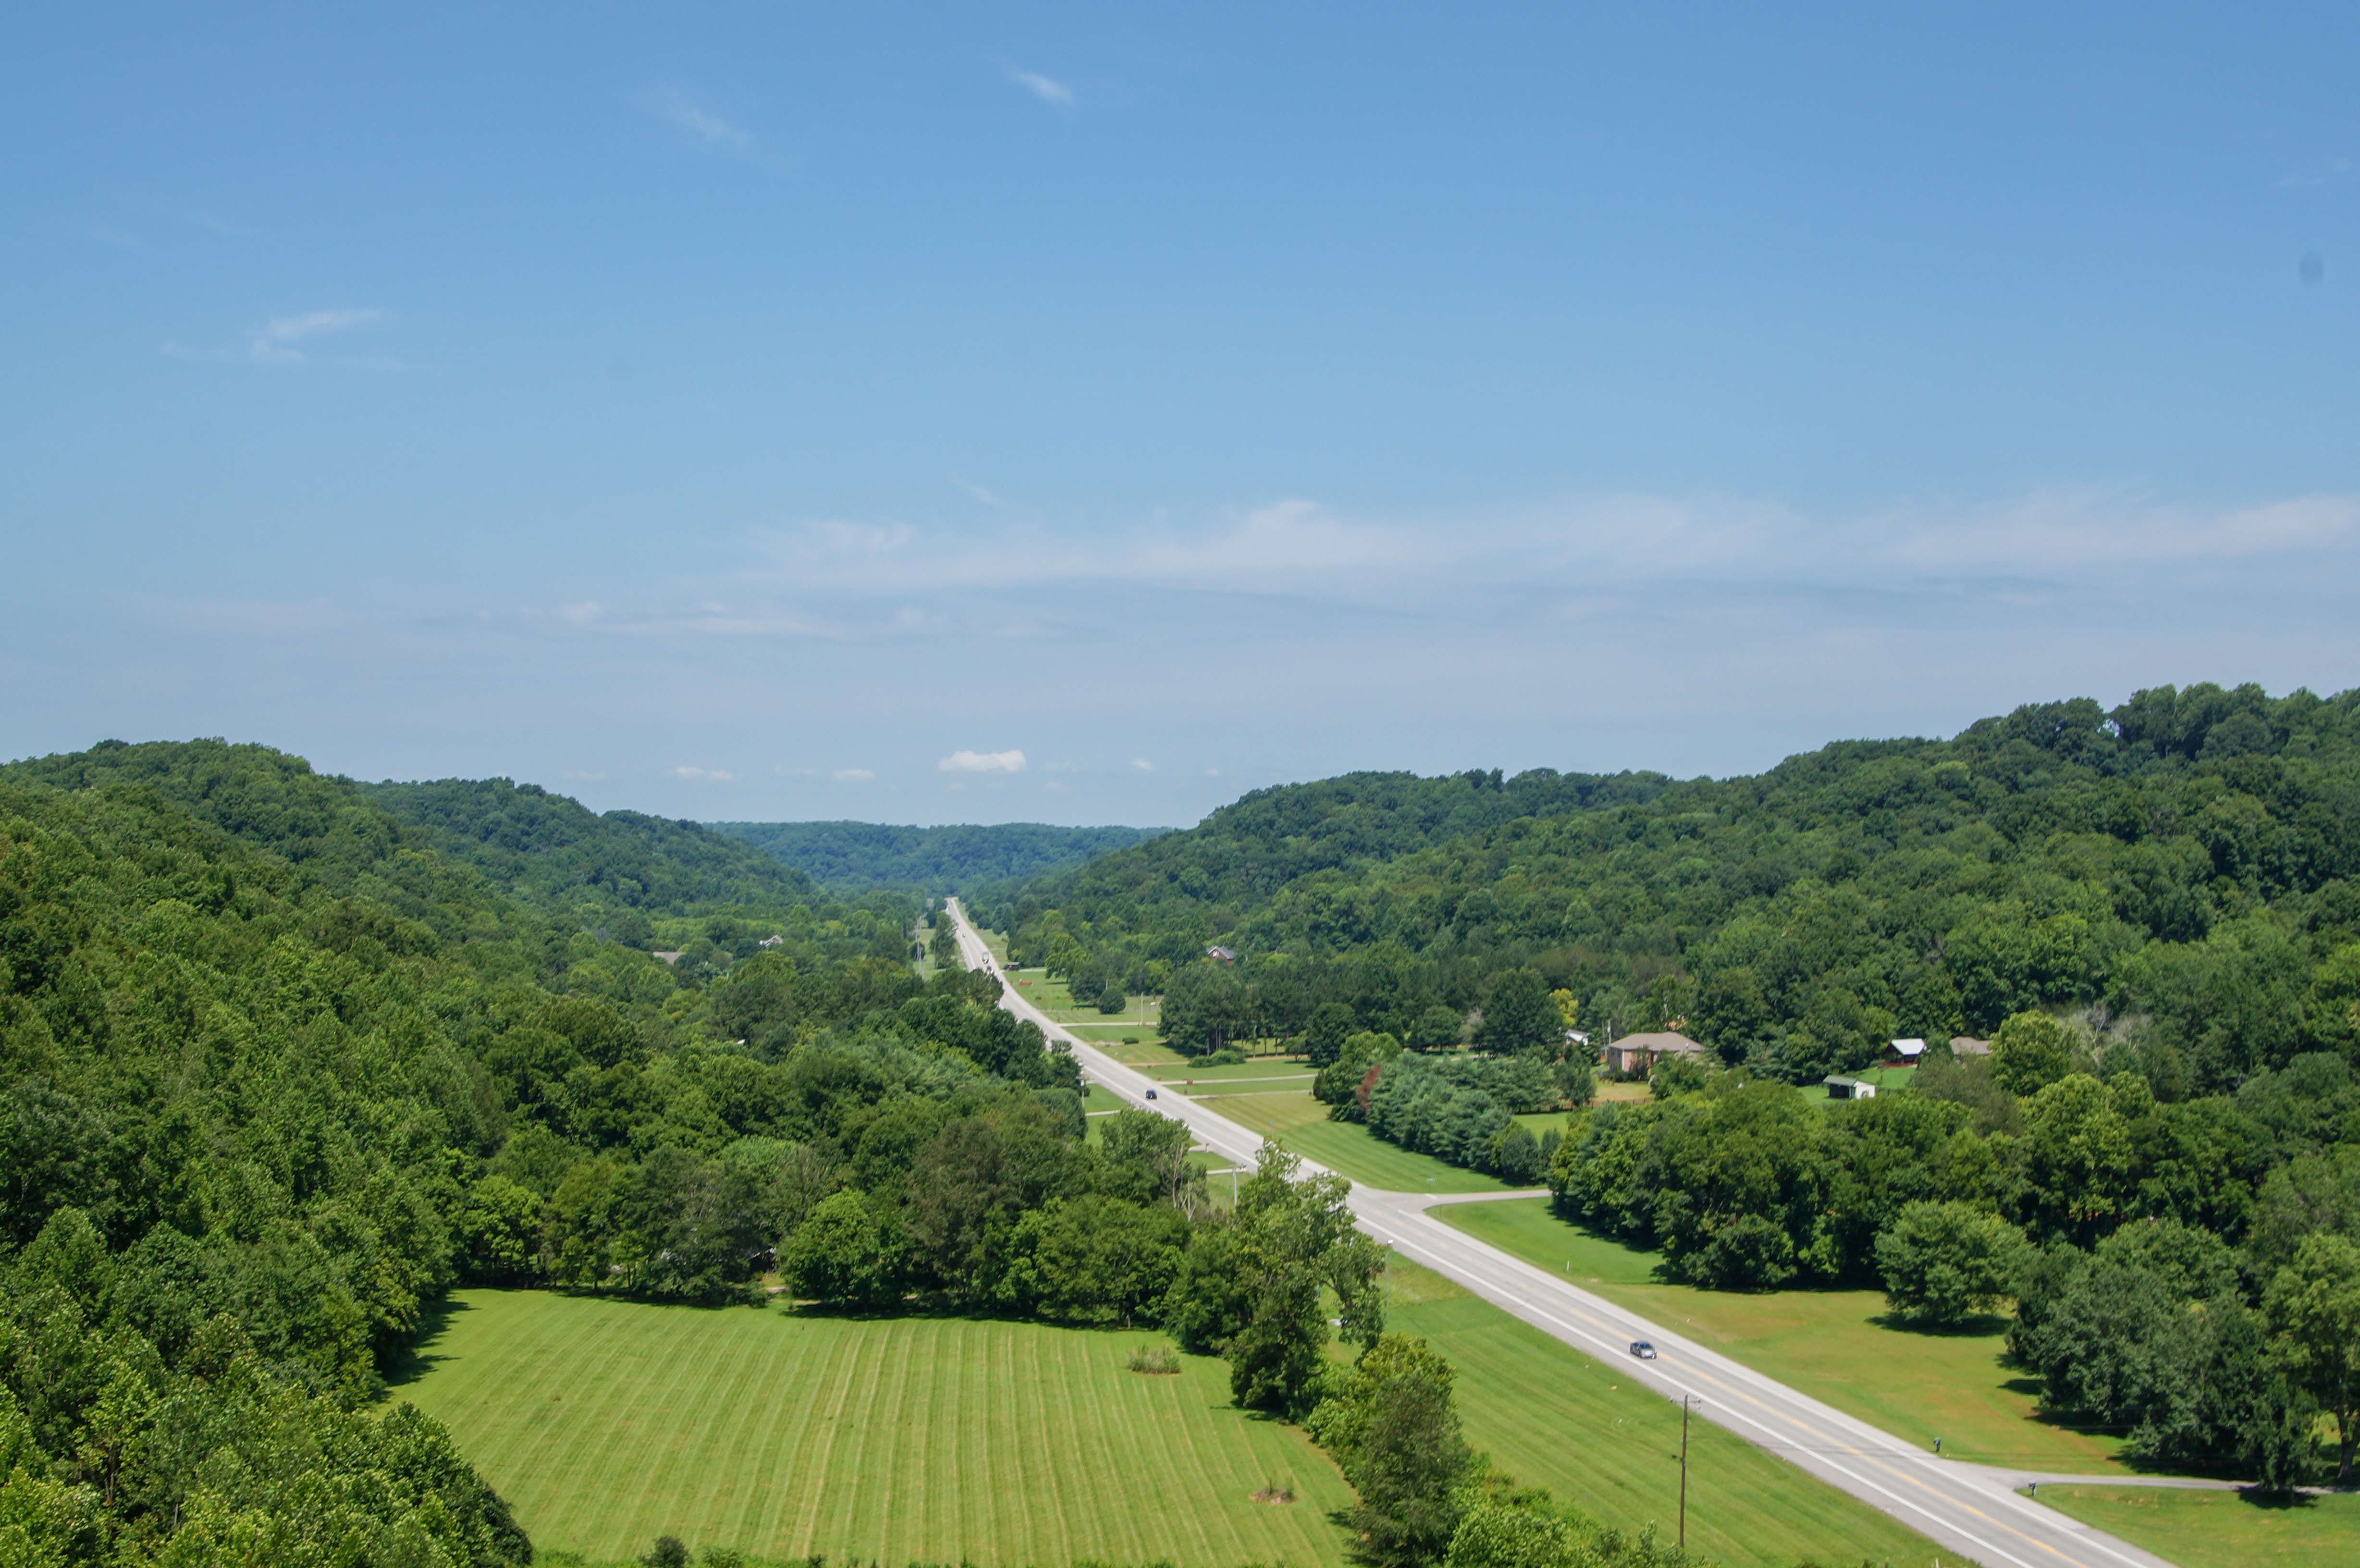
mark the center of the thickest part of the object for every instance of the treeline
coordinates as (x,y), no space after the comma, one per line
(2183,872)
(2185,1272)
(850,857)
(276,1071)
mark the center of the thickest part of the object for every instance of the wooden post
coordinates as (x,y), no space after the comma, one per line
(1684,1472)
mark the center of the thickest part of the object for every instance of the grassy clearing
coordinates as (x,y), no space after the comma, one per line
(1231,1091)
(607,1423)
(2219,1530)
(1055,997)
(1292,1067)
(1887,1079)
(1547,1413)
(1106,1035)
(1834,1346)
(1300,1123)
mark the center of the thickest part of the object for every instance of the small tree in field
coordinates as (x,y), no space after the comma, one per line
(1944,1263)
(1114,998)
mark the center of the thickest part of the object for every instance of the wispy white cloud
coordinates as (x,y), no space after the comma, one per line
(705,775)
(283,340)
(1047,89)
(852,775)
(279,340)
(676,107)
(1143,765)
(1009,761)
(580,777)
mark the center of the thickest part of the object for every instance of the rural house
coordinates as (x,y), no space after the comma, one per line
(1636,1053)
(1905,1053)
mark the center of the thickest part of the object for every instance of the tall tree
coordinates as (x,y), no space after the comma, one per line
(2313,1307)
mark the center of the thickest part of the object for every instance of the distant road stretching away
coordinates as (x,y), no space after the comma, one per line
(1966,1507)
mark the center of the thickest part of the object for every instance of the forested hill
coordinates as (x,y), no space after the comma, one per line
(554,848)
(2184,870)
(1195,885)
(854,857)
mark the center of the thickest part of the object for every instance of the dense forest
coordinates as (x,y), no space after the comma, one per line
(281,1067)
(2141,929)
(857,856)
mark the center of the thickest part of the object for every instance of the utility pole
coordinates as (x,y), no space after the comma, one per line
(1684,1472)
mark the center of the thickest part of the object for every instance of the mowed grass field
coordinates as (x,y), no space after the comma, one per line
(1833,1345)
(1299,1123)
(2219,1530)
(607,1423)
(1548,1414)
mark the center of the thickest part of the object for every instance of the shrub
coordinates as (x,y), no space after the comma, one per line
(1157,1359)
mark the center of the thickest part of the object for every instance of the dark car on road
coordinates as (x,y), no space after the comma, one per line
(1151,1093)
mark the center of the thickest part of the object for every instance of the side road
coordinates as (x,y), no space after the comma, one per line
(1966,1507)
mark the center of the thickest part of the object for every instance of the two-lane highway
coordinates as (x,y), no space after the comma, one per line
(1961,1507)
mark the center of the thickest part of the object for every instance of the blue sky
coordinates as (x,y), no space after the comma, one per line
(1089,413)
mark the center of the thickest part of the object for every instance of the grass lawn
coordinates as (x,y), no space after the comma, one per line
(1833,1345)
(1300,1123)
(1144,1054)
(2219,1530)
(1276,1116)
(1292,1068)
(607,1423)
(1548,1414)
(1102,1031)
(1229,1088)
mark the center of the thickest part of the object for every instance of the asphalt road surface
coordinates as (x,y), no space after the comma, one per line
(1966,1508)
